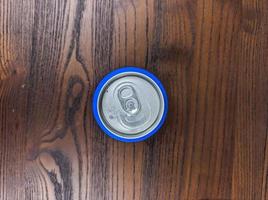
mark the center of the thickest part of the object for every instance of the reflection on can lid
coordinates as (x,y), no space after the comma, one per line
(130,104)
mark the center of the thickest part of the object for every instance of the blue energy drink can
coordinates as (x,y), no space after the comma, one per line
(130,104)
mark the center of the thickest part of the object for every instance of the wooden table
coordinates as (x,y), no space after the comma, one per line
(212,58)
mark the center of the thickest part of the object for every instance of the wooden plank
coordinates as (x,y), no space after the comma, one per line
(212,59)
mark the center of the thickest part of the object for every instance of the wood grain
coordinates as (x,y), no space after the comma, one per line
(212,58)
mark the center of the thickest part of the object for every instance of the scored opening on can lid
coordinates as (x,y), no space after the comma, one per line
(130,104)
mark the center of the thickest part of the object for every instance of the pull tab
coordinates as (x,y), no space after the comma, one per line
(133,115)
(129,100)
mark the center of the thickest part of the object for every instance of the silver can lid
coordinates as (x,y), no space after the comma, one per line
(130,105)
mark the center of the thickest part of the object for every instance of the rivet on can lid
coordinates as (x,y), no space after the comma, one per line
(130,104)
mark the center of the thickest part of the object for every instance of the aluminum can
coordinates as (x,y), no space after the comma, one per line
(130,104)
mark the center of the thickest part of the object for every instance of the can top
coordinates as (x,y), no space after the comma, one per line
(130,104)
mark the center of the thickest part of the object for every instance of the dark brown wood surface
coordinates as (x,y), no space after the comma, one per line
(212,58)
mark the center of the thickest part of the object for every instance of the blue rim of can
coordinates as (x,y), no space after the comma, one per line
(98,92)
